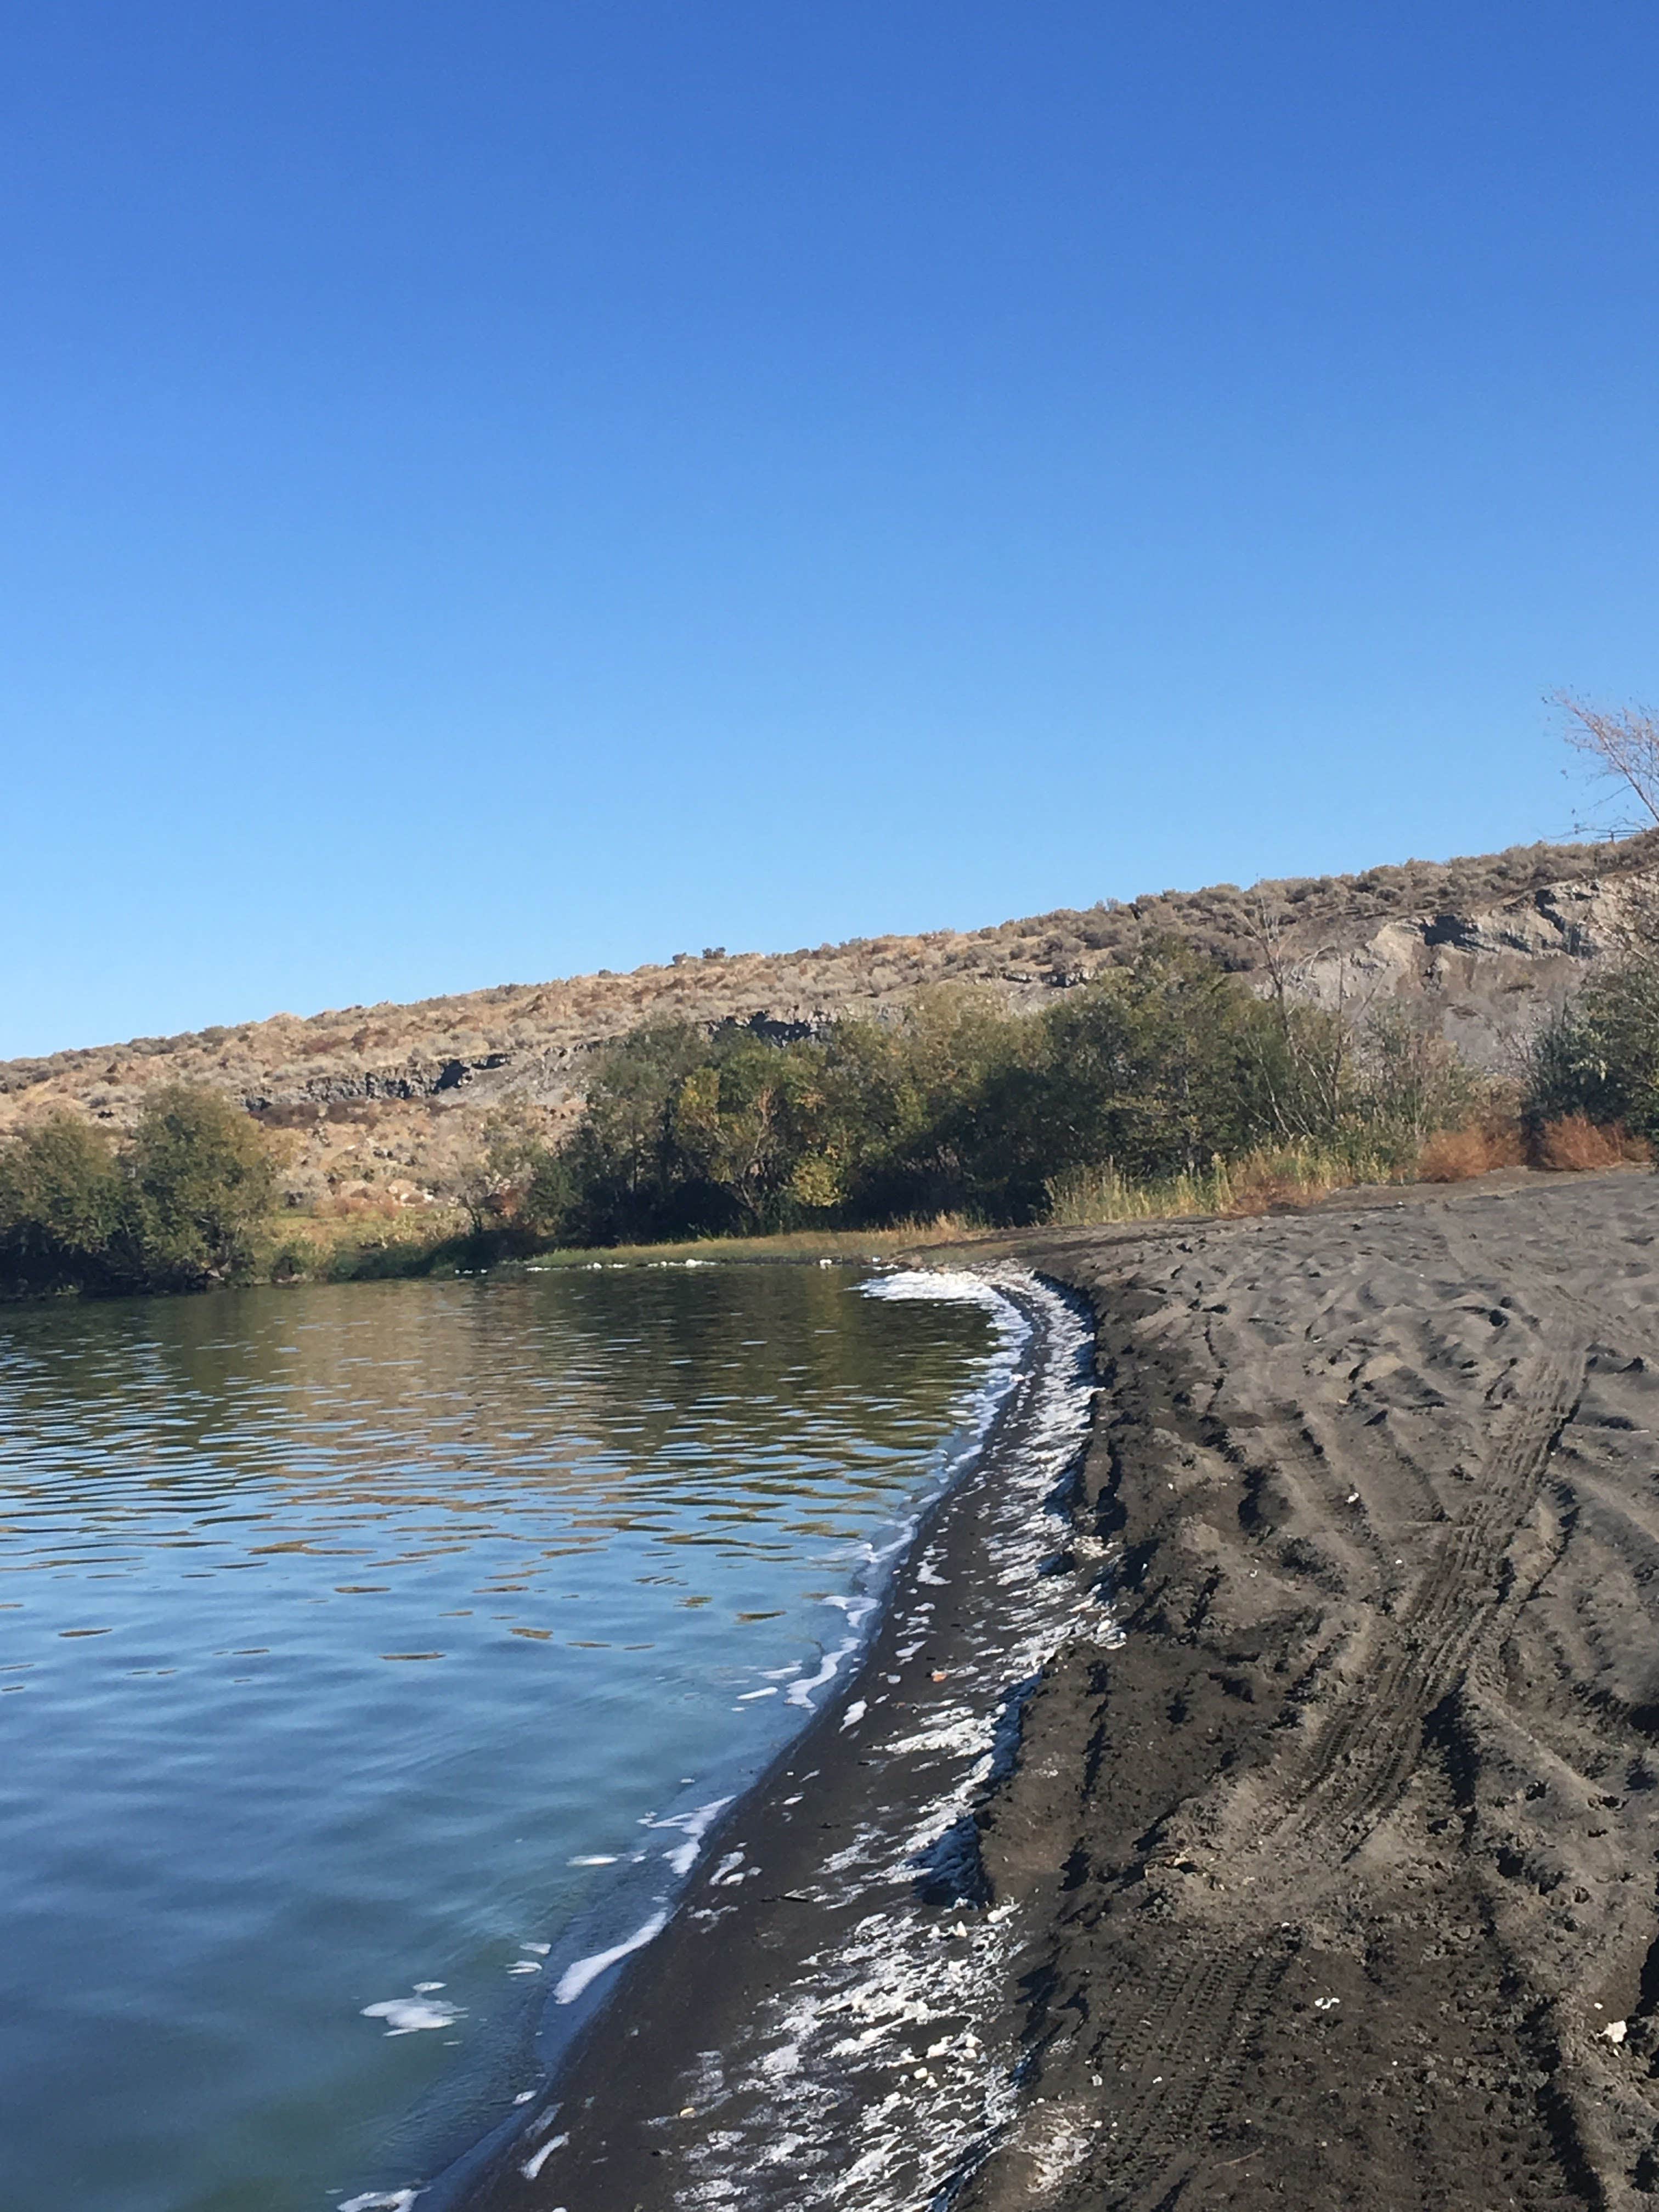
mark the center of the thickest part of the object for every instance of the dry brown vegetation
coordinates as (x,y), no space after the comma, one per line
(1571,1143)
(1455,1155)
(384,1101)
(1575,1143)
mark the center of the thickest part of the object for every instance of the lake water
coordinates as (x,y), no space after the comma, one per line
(370,1658)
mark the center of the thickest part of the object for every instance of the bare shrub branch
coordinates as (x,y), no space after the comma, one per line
(1622,746)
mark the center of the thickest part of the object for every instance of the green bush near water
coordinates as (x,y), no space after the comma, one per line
(1154,1074)
(181,1205)
(1167,1084)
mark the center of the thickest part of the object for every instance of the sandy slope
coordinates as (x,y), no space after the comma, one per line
(1344,1863)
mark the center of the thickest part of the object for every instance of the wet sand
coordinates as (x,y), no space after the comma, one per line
(825,2017)
(1332,1882)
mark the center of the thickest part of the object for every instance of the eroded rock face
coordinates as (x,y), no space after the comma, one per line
(1492,971)
(382,1100)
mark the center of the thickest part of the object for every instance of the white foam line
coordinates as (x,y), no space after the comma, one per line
(801,1694)
(858,1607)
(532,2166)
(409,2016)
(575,1979)
(974,1416)
(694,1827)
(861,2019)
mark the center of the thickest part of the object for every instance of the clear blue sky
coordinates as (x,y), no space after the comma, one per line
(498,490)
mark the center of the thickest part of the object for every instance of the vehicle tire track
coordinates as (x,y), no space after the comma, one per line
(1368,1747)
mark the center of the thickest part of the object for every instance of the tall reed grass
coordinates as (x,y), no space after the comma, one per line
(1289,1175)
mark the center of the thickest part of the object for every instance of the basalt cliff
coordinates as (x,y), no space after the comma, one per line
(385,1102)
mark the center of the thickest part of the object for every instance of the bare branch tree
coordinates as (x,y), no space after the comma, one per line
(1621,744)
(1318,1052)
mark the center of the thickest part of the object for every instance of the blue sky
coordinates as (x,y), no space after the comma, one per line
(497,490)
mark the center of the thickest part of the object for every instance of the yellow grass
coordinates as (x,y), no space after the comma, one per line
(338,1245)
(325,1234)
(1292,1174)
(845,1244)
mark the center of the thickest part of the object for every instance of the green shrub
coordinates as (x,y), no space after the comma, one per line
(199,1187)
(1598,1058)
(182,1205)
(61,1196)
(1152,1076)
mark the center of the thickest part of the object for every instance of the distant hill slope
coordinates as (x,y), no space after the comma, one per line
(385,1100)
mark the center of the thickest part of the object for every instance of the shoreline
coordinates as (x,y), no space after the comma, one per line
(1358,1904)
(1322,1871)
(843,1889)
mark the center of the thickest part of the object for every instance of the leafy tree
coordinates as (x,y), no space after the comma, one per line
(1155,1067)
(494,1186)
(61,1193)
(1600,1055)
(621,1169)
(728,1130)
(906,1104)
(200,1185)
(183,1205)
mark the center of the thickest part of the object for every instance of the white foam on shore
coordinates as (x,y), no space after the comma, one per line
(694,1827)
(974,1416)
(892,2022)
(936,1287)
(409,2016)
(801,1694)
(533,2165)
(575,1979)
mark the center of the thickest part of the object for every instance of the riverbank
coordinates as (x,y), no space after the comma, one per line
(1333,1880)
(828,2001)
(340,1249)
(1357,1827)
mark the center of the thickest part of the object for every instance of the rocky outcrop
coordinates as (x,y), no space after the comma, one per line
(385,1097)
(1490,972)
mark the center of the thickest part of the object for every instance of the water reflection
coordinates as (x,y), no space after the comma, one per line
(347,1638)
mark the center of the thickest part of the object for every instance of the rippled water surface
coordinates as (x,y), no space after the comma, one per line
(361,1647)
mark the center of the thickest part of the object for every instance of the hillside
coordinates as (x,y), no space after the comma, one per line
(384,1102)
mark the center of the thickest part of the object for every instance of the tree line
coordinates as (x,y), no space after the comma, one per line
(961,1107)
(1169,1067)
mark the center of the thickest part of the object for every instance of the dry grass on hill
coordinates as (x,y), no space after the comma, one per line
(381,1102)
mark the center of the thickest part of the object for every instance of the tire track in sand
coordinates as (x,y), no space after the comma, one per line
(1371,1745)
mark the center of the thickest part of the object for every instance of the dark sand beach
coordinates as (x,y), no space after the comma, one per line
(1325,1875)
